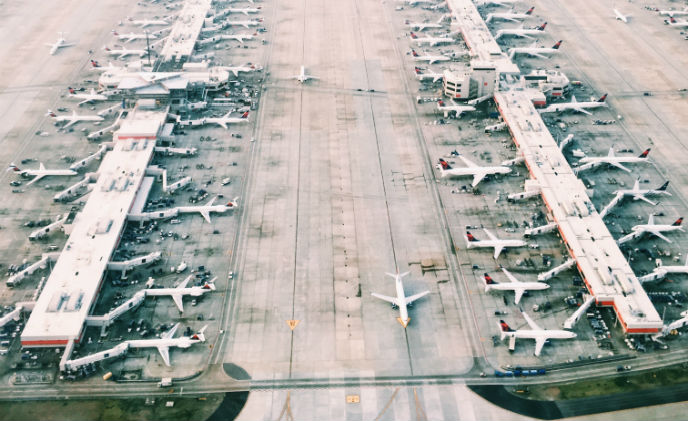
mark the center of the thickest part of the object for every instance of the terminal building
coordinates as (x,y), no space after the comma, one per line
(474,82)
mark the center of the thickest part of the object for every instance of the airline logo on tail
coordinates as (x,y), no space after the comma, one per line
(488,279)
(94,63)
(13,167)
(505,327)
(418,72)
(445,165)
(414,36)
(542,27)
(245,115)
(678,222)
(530,11)
(470,236)
(557,45)
(645,154)
(664,186)
(415,54)
(602,98)
(71,90)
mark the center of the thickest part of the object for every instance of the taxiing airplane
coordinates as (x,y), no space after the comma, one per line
(432,41)
(90,97)
(494,242)
(514,285)
(123,52)
(476,171)
(673,13)
(167,341)
(303,77)
(620,16)
(535,332)
(132,36)
(74,118)
(181,290)
(453,108)
(61,42)
(581,107)
(39,173)
(677,23)
(148,22)
(401,300)
(430,74)
(522,31)
(510,16)
(652,228)
(641,194)
(611,159)
(245,23)
(429,58)
(421,26)
(534,51)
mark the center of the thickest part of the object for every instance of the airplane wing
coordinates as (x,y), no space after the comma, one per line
(36,178)
(530,321)
(41,166)
(660,235)
(245,25)
(206,215)
(389,299)
(477,178)
(540,56)
(509,19)
(617,165)
(436,78)
(498,251)
(170,333)
(432,61)
(84,101)
(223,124)
(642,197)
(236,72)
(511,277)
(651,219)
(165,354)
(539,343)
(524,36)
(468,162)
(489,234)
(582,110)
(178,301)
(413,298)
(183,284)
(519,293)
(71,122)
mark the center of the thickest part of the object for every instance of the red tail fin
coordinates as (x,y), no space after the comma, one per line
(470,236)
(645,153)
(445,165)
(678,222)
(414,36)
(672,20)
(440,103)
(206,286)
(71,90)
(542,27)
(530,11)
(557,45)
(488,279)
(602,98)
(417,71)
(115,33)
(505,327)
(415,54)
(94,63)
(245,115)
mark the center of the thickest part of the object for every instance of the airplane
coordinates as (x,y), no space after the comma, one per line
(429,59)
(522,32)
(494,242)
(245,23)
(535,332)
(611,159)
(95,67)
(238,37)
(514,285)
(61,42)
(421,26)
(132,36)
(677,23)
(477,172)
(672,13)
(652,228)
(534,51)
(432,41)
(181,290)
(237,69)
(496,2)
(74,118)
(206,209)
(226,119)
(39,173)
(124,52)
(639,194)
(510,16)
(245,10)
(149,22)
(574,105)
(90,97)
(455,108)
(303,77)
(401,301)
(166,341)
(417,2)
(619,16)
(428,75)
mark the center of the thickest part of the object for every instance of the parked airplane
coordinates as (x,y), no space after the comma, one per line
(454,107)
(652,228)
(514,285)
(245,23)
(226,119)
(417,2)
(401,301)
(611,159)
(581,107)
(535,332)
(510,16)
(522,31)
(430,74)
(303,77)
(496,2)
(432,41)
(148,22)
(166,341)
(123,52)
(476,171)
(181,290)
(61,42)
(95,67)
(245,10)
(493,242)
(90,97)
(132,36)
(237,69)
(677,23)
(206,209)
(39,173)
(238,37)
(673,13)
(641,194)
(619,16)
(421,26)
(429,58)
(535,51)
(74,118)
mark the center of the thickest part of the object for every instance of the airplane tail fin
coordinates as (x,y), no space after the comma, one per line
(210,284)
(645,153)
(13,167)
(71,90)
(504,329)
(440,103)
(444,165)
(233,203)
(415,54)
(488,282)
(413,36)
(94,63)
(417,70)
(672,20)
(245,115)
(51,113)
(530,11)
(200,336)
(664,186)
(557,45)
(678,222)
(602,98)
(470,237)
(542,27)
